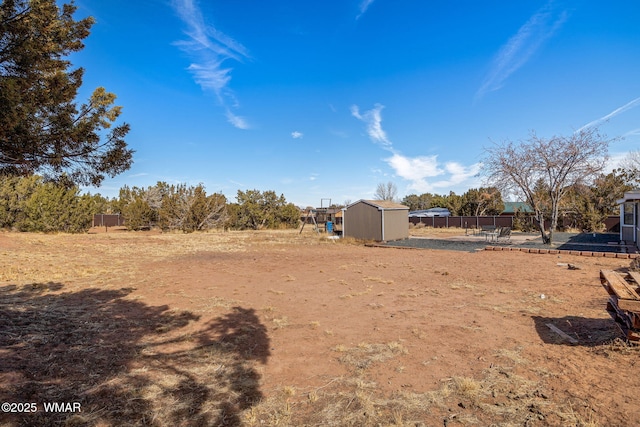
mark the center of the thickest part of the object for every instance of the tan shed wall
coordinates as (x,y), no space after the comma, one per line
(363,221)
(396,224)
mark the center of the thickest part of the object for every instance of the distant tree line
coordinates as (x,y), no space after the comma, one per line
(33,204)
(189,209)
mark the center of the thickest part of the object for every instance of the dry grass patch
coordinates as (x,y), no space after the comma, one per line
(314,324)
(498,398)
(356,294)
(213,304)
(468,388)
(585,419)
(280,323)
(364,355)
(125,362)
(461,284)
(378,280)
(512,355)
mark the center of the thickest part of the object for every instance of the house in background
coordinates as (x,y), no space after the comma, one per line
(629,209)
(378,220)
(428,213)
(510,208)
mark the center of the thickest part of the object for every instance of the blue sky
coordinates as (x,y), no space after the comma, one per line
(327,99)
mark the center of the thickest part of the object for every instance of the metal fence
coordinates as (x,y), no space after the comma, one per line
(612,223)
(108,220)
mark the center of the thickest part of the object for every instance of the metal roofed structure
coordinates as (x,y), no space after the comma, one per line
(428,213)
(378,220)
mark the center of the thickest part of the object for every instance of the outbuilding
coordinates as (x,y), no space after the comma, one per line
(430,213)
(378,220)
(629,210)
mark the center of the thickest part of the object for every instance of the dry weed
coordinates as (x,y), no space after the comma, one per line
(378,280)
(364,355)
(281,323)
(314,324)
(573,418)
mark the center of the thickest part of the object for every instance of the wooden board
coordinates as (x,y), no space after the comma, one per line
(635,275)
(629,305)
(622,320)
(621,317)
(564,335)
(624,302)
(635,320)
(620,287)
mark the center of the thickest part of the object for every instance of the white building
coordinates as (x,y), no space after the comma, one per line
(629,211)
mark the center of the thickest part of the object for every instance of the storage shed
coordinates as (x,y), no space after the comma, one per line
(378,220)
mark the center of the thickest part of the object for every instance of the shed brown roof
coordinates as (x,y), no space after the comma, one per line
(385,204)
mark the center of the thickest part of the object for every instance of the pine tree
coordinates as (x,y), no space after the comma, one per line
(42,130)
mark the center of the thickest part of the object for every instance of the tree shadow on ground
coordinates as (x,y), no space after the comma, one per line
(591,242)
(586,332)
(125,362)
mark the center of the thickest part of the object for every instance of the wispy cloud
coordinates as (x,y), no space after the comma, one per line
(237,121)
(612,114)
(373,120)
(296,135)
(633,132)
(459,174)
(364,5)
(209,48)
(417,170)
(520,47)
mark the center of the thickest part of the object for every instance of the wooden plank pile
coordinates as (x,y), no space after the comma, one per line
(624,301)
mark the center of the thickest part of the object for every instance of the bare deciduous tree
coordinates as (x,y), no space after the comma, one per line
(387,191)
(630,166)
(190,209)
(541,171)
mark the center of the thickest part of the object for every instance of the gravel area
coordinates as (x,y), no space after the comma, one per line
(594,242)
(446,245)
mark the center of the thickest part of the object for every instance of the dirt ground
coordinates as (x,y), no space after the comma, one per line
(277,328)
